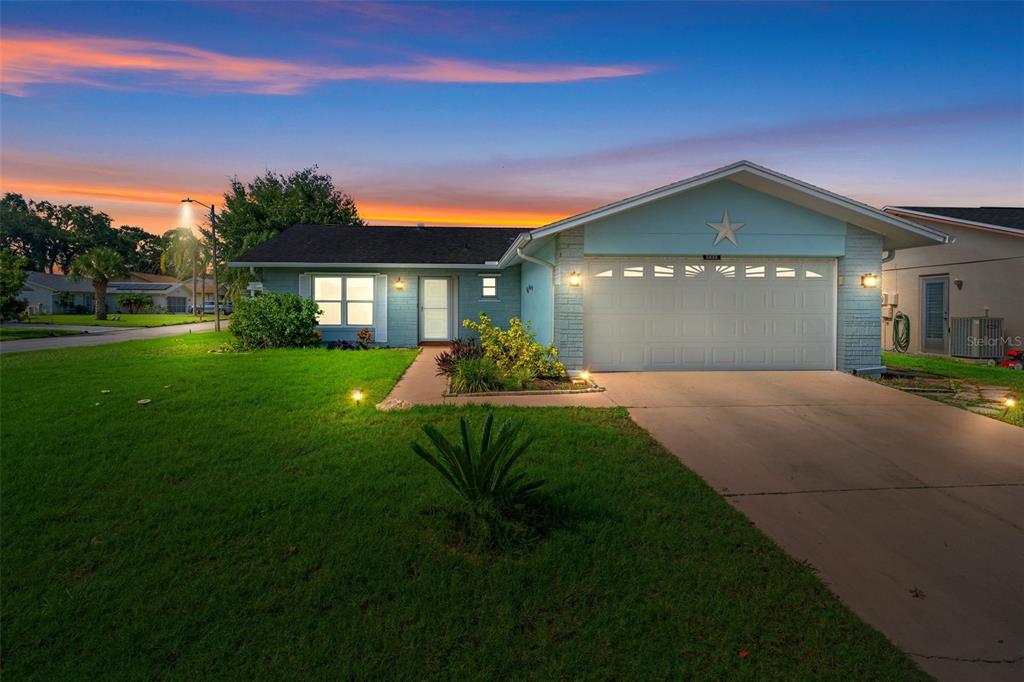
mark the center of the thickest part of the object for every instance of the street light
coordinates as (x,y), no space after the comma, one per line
(216,286)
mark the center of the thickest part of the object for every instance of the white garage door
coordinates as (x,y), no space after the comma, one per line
(664,313)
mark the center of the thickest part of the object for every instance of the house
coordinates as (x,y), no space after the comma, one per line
(735,269)
(47,293)
(979,273)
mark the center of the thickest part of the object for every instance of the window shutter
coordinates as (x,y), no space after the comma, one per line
(305,286)
(380,309)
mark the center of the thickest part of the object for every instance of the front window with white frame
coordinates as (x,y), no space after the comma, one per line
(345,301)
(488,286)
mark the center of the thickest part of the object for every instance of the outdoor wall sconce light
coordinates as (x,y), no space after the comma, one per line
(529,288)
(869,281)
(575,279)
(399,284)
(958,283)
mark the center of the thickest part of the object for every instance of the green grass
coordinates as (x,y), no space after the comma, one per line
(126,320)
(15,333)
(947,367)
(253,522)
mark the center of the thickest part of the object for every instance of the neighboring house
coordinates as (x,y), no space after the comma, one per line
(739,268)
(43,292)
(47,293)
(174,297)
(979,273)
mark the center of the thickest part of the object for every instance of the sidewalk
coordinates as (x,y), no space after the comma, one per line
(97,338)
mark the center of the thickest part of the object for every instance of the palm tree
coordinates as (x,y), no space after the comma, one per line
(185,253)
(99,265)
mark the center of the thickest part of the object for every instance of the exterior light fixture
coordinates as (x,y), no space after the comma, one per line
(584,374)
(574,279)
(357,395)
(1010,402)
(869,281)
(399,284)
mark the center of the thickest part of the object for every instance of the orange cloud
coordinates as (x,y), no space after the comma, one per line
(30,59)
(156,210)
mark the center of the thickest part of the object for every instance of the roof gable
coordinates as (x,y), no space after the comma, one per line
(896,232)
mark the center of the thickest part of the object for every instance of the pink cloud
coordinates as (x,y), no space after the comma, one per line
(33,59)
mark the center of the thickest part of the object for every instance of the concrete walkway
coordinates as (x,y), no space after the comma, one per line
(911,511)
(96,335)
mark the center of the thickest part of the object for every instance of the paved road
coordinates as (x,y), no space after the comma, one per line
(911,510)
(97,335)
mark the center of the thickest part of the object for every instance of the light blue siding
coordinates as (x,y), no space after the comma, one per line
(859,310)
(403,304)
(538,301)
(677,226)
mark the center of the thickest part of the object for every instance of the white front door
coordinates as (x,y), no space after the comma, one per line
(435,317)
(738,314)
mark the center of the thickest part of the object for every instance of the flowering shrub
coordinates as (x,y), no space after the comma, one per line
(515,350)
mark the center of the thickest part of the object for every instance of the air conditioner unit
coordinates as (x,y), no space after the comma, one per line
(977,337)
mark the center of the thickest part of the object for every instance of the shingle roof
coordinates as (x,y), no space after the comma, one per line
(1003,216)
(140,286)
(357,244)
(58,282)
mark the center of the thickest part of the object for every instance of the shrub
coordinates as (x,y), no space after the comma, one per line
(480,472)
(516,349)
(475,375)
(135,303)
(275,321)
(460,348)
(364,337)
(517,379)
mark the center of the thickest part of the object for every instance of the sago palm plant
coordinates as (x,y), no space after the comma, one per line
(480,470)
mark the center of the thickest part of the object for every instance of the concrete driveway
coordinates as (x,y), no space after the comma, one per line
(912,511)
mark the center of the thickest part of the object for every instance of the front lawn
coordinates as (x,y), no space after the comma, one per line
(253,521)
(124,320)
(14,333)
(955,369)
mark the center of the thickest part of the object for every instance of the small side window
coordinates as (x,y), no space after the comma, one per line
(489,287)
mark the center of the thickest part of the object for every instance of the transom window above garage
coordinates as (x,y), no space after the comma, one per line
(664,270)
(633,271)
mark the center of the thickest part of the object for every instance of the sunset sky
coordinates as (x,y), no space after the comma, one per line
(499,114)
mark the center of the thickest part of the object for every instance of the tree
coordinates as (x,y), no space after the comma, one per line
(184,253)
(273,202)
(25,233)
(100,265)
(141,249)
(12,279)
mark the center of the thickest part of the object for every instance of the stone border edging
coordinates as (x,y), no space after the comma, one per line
(554,391)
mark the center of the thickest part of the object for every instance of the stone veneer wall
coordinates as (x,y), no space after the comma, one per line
(859,310)
(568,312)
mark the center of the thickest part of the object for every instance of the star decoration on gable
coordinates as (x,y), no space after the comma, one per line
(726,229)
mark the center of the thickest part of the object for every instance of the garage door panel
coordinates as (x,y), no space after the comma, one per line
(735,315)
